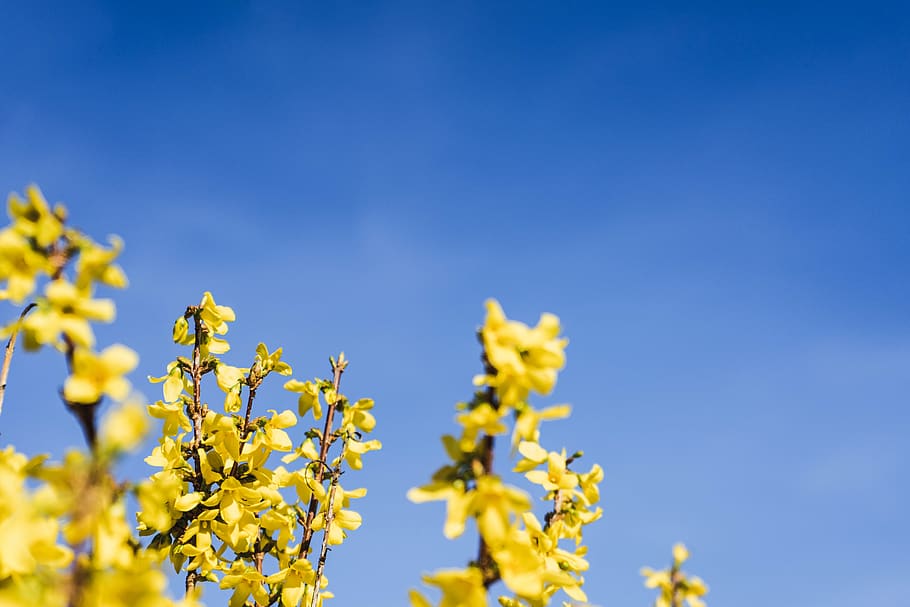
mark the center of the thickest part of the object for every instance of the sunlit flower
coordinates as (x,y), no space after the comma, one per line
(523,358)
(97,374)
(66,310)
(20,265)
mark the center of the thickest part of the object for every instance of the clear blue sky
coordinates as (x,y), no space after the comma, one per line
(714,198)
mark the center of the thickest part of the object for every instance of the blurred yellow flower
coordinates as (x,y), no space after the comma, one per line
(33,217)
(523,358)
(67,310)
(460,588)
(674,585)
(124,427)
(97,374)
(20,265)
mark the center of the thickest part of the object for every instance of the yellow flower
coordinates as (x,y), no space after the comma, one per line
(237,504)
(482,418)
(174,382)
(27,535)
(216,319)
(675,586)
(305,483)
(528,421)
(680,554)
(491,502)
(297,583)
(308,399)
(457,503)
(96,264)
(201,552)
(268,363)
(588,482)
(224,436)
(532,456)
(558,564)
(231,380)
(282,520)
(460,588)
(494,504)
(157,497)
(306,449)
(65,309)
(245,581)
(342,519)
(521,566)
(20,264)
(523,358)
(124,427)
(33,217)
(138,583)
(418,600)
(556,476)
(273,434)
(97,374)
(355,449)
(112,536)
(358,417)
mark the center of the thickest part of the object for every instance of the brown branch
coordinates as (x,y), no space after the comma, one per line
(83,412)
(485,562)
(245,431)
(195,411)
(325,443)
(258,556)
(196,373)
(675,598)
(555,515)
(329,519)
(85,415)
(253,380)
(191,577)
(94,496)
(10,348)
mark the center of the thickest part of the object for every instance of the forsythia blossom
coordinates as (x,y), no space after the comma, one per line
(674,585)
(522,358)
(216,508)
(64,535)
(533,560)
(95,375)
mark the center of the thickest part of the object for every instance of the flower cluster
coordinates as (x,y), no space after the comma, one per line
(217,507)
(45,529)
(252,501)
(534,558)
(40,245)
(63,529)
(675,586)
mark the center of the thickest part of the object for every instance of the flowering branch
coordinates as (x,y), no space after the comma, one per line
(325,441)
(329,520)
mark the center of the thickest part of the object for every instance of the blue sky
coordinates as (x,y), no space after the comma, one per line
(714,199)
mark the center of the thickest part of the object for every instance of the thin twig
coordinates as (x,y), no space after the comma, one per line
(190,582)
(10,348)
(253,380)
(93,495)
(329,519)
(488,568)
(195,411)
(675,598)
(325,443)
(83,412)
